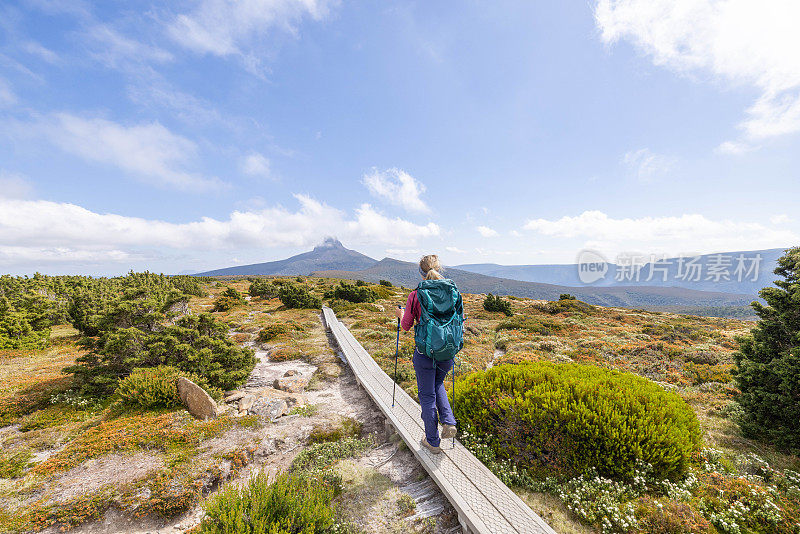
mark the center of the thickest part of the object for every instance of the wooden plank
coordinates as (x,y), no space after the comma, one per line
(483,502)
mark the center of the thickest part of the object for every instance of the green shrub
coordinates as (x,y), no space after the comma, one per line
(385,283)
(298,296)
(292,504)
(18,329)
(563,419)
(495,303)
(320,456)
(272,331)
(768,361)
(353,293)
(196,344)
(154,386)
(261,287)
(566,305)
(701,373)
(526,323)
(348,428)
(14,463)
(229,299)
(566,296)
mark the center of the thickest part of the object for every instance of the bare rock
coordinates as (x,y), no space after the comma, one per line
(291,384)
(247,401)
(270,408)
(292,399)
(233,396)
(291,372)
(197,401)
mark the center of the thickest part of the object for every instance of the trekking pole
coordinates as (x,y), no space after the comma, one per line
(456,361)
(396,354)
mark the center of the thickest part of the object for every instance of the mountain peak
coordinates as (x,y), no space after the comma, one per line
(328,243)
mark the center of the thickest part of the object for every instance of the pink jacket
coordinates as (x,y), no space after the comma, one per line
(412,311)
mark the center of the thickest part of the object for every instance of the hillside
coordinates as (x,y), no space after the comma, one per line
(567,274)
(406,274)
(330,254)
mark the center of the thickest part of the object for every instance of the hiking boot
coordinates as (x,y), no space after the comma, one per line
(425,444)
(448,431)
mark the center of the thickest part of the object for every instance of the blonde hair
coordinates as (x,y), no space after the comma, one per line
(430,266)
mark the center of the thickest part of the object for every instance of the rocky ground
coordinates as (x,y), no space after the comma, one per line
(386,490)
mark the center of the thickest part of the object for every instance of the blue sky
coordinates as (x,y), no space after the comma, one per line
(193,135)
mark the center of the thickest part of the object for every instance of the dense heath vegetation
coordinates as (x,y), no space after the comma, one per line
(688,430)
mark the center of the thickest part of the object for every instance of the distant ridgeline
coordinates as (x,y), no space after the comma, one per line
(721,284)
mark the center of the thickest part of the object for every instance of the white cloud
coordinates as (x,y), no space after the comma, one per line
(149,151)
(256,164)
(734,147)
(662,234)
(36,49)
(116,50)
(371,226)
(397,187)
(780,219)
(225,27)
(402,251)
(647,166)
(485,231)
(65,232)
(7,96)
(742,42)
(14,185)
(455,250)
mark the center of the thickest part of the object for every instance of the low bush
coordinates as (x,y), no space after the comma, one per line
(700,373)
(196,344)
(353,293)
(495,303)
(566,305)
(292,504)
(261,287)
(13,463)
(529,324)
(702,357)
(320,456)
(564,419)
(298,296)
(348,428)
(385,283)
(152,387)
(270,332)
(229,299)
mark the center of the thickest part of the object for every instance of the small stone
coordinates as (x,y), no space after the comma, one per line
(292,399)
(291,372)
(234,396)
(197,401)
(292,384)
(246,402)
(271,409)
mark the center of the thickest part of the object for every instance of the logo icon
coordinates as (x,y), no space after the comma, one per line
(592,266)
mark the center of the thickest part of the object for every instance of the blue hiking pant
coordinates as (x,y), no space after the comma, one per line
(432,396)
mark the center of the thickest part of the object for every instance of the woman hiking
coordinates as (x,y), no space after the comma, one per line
(437,309)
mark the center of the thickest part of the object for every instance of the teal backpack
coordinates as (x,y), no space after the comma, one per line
(439,333)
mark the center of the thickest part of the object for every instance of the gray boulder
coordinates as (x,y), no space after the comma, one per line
(197,401)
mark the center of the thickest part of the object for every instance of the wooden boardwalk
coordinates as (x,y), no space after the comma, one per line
(484,504)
